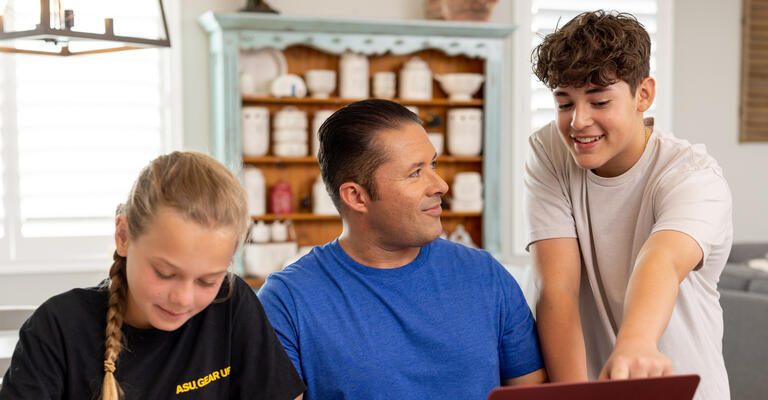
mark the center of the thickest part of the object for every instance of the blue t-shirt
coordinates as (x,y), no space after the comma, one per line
(449,325)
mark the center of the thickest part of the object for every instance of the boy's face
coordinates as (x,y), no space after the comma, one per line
(602,126)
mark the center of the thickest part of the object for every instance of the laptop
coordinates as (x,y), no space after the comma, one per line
(672,387)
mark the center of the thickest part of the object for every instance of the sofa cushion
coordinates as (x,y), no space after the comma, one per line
(758,285)
(745,348)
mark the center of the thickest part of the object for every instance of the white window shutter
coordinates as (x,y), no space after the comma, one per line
(82,128)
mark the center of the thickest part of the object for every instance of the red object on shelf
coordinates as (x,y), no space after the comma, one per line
(281,198)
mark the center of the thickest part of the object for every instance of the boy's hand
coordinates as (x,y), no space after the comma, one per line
(636,359)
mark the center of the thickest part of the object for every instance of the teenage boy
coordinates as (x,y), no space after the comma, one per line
(388,310)
(630,227)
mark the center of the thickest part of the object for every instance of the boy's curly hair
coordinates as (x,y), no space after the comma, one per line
(595,47)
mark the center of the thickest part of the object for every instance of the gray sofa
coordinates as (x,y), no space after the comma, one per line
(744,298)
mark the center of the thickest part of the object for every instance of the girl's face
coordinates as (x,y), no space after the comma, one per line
(174,268)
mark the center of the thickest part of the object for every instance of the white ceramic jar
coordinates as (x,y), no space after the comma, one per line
(289,136)
(467,186)
(353,76)
(415,80)
(259,233)
(256,191)
(279,231)
(255,126)
(384,84)
(465,131)
(321,200)
(290,117)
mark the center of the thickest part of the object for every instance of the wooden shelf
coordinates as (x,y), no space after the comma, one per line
(280,160)
(295,217)
(337,101)
(316,217)
(460,159)
(313,160)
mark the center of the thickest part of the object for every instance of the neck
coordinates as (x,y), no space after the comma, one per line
(371,251)
(623,161)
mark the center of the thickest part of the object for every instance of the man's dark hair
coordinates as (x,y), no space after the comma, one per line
(596,47)
(348,148)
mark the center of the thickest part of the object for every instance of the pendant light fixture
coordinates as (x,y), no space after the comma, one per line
(74,27)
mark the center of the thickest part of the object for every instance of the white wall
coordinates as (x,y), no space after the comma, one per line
(706,105)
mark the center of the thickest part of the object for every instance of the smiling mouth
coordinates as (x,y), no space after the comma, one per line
(586,140)
(169,313)
(434,210)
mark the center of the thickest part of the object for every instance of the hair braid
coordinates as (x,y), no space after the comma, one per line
(110,389)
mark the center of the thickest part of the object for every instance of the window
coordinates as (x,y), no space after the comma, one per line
(533,104)
(74,133)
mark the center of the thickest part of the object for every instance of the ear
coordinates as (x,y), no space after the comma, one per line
(121,235)
(354,196)
(645,93)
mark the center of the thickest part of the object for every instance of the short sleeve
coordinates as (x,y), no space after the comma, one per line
(280,309)
(257,353)
(37,367)
(697,203)
(520,352)
(548,205)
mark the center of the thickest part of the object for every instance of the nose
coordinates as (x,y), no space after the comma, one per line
(581,118)
(438,187)
(182,294)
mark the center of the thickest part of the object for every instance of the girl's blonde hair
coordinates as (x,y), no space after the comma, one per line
(200,189)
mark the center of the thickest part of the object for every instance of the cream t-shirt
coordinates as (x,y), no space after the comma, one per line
(674,186)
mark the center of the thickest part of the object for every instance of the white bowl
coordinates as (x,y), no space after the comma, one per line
(460,86)
(321,82)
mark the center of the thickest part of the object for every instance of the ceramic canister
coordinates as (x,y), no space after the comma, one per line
(384,84)
(353,76)
(465,131)
(321,200)
(255,189)
(255,126)
(416,80)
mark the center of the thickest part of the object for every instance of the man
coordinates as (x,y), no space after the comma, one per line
(630,227)
(388,310)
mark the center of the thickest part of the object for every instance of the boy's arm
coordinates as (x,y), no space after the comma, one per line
(664,261)
(557,310)
(533,378)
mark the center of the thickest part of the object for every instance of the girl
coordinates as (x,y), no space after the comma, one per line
(171,321)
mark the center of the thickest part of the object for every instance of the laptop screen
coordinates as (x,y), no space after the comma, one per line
(673,387)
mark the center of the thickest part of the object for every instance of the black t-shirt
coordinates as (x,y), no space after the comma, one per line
(227,351)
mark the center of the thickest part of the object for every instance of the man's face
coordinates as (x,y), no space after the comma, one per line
(602,125)
(407,210)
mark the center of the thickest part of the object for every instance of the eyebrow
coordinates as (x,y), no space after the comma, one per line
(599,89)
(421,163)
(168,263)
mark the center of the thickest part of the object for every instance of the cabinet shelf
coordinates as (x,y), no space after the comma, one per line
(316,217)
(313,160)
(338,101)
